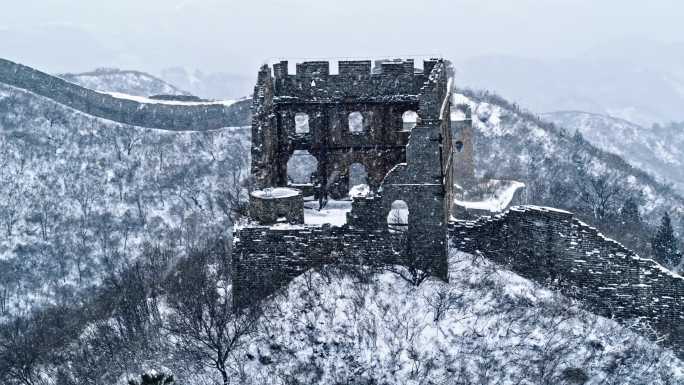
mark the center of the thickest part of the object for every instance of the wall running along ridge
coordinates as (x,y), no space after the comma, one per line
(153,115)
(556,249)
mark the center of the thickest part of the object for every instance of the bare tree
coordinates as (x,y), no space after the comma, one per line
(207,328)
(603,194)
(443,300)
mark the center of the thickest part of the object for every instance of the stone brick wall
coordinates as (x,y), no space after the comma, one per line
(163,116)
(414,167)
(554,248)
(381,97)
(267,258)
(269,210)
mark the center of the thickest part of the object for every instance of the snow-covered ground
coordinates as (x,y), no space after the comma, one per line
(486,326)
(509,144)
(278,192)
(660,151)
(334,212)
(83,195)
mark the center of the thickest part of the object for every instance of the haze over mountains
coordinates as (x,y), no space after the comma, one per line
(637,80)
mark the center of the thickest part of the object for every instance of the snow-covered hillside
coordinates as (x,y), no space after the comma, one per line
(214,85)
(126,82)
(655,150)
(81,195)
(345,325)
(552,162)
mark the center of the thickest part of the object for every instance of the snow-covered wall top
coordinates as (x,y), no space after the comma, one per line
(178,117)
(558,250)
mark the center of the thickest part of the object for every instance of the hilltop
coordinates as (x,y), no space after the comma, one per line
(135,83)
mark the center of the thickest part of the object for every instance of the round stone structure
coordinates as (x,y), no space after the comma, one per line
(276,205)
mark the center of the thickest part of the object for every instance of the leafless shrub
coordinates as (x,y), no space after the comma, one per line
(443,300)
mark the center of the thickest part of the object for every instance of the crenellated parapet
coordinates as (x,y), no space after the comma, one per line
(313,82)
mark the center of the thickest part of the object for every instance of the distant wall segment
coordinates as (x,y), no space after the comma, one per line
(153,115)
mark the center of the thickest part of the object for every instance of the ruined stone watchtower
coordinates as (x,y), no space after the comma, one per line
(358,116)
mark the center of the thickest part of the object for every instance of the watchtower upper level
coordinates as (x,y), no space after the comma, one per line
(363,114)
(386,81)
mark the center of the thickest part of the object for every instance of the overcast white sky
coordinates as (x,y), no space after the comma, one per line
(236,36)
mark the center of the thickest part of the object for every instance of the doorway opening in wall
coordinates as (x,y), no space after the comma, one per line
(358,180)
(398,217)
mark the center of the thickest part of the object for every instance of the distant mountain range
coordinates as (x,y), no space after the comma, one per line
(658,150)
(214,85)
(126,82)
(511,143)
(639,81)
(173,81)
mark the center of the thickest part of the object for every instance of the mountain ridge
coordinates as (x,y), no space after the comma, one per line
(657,149)
(132,82)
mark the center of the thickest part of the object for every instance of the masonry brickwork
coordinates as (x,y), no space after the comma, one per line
(267,258)
(328,100)
(153,115)
(268,210)
(556,249)
(411,166)
(546,245)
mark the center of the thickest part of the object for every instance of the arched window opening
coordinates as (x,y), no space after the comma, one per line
(409,120)
(356,122)
(301,167)
(358,180)
(301,123)
(398,217)
(459,146)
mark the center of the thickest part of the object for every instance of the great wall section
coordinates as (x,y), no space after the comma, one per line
(557,250)
(545,245)
(175,117)
(548,246)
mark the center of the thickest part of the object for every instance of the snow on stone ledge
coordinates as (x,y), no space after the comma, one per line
(144,100)
(359,191)
(273,193)
(495,203)
(334,213)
